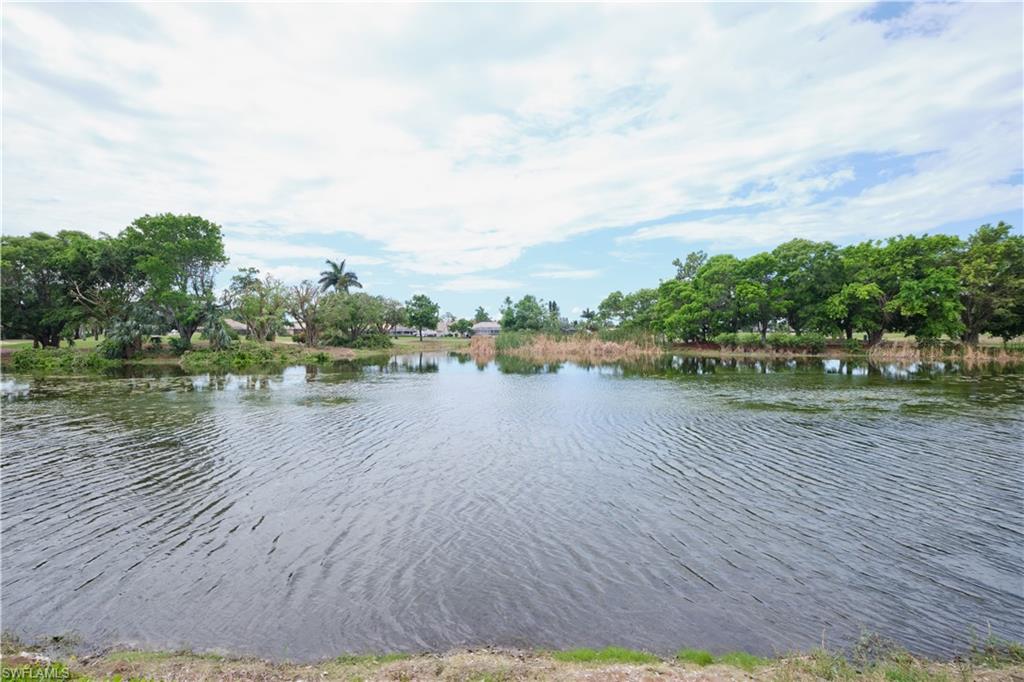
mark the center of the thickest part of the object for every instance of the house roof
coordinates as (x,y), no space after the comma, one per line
(486,325)
(235,325)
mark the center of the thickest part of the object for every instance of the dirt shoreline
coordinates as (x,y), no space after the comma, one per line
(510,664)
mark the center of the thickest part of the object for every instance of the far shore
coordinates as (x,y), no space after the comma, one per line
(536,347)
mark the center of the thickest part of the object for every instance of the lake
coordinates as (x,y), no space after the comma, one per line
(429,502)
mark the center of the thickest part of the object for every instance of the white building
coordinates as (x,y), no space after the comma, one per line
(487,328)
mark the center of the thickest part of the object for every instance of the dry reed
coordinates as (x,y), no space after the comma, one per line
(579,348)
(971,356)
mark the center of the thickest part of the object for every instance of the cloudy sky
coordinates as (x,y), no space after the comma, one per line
(473,152)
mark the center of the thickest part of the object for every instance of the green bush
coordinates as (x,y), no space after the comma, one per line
(780,341)
(59,360)
(178,345)
(371,341)
(853,346)
(248,355)
(748,340)
(810,342)
(725,340)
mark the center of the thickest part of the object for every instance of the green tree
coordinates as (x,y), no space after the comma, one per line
(481,315)
(687,270)
(35,300)
(304,307)
(259,303)
(759,292)
(347,317)
(611,309)
(462,326)
(680,312)
(991,271)
(422,313)
(336,277)
(808,274)
(716,285)
(179,256)
(589,318)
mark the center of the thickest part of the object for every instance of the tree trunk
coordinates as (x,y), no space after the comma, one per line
(970,338)
(875,337)
(421,334)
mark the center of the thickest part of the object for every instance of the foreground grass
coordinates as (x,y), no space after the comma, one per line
(873,659)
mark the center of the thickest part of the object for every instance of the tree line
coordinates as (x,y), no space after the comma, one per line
(158,274)
(924,286)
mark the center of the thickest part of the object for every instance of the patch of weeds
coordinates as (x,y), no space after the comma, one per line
(828,665)
(996,652)
(696,656)
(610,654)
(911,673)
(138,656)
(742,660)
(369,659)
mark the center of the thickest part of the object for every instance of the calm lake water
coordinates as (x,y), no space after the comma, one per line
(430,503)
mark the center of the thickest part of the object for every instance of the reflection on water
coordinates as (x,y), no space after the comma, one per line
(428,502)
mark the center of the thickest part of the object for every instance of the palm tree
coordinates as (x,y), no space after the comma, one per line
(335,276)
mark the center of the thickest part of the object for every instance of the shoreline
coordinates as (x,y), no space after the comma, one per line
(873,659)
(257,357)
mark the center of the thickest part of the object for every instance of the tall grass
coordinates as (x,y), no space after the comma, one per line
(911,351)
(577,348)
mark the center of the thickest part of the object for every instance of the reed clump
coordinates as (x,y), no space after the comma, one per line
(971,356)
(582,348)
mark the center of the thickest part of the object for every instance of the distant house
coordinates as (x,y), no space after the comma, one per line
(487,328)
(400,330)
(236,326)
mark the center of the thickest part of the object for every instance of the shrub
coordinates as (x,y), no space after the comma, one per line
(725,340)
(748,340)
(810,342)
(779,341)
(371,341)
(299,337)
(853,346)
(58,360)
(178,345)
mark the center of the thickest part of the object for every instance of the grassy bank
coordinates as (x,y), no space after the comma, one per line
(872,660)
(404,345)
(244,355)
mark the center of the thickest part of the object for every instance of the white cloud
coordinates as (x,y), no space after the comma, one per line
(270,249)
(525,125)
(564,272)
(474,283)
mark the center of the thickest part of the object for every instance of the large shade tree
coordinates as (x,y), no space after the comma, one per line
(179,256)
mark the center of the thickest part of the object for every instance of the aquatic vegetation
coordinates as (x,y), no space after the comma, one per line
(59,360)
(247,355)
